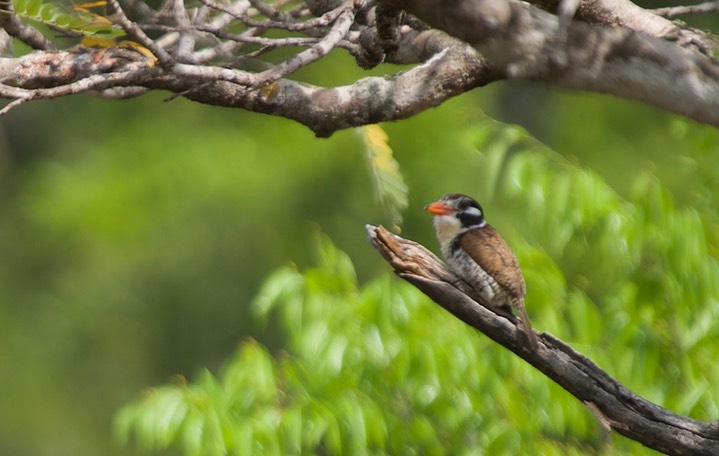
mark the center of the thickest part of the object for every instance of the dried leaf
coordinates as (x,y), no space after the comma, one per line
(389,183)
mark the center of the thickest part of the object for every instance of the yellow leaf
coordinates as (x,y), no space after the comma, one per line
(141,49)
(89,4)
(92,41)
(389,183)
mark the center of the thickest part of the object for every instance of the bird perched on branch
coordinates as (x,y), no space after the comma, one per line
(477,253)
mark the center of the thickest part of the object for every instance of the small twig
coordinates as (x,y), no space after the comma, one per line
(224,49)
(186,43)
(334,36)
(237,10)
(291,25)
(250,39)
(350,46)
(228,45)
(94,82)
(266,45)
(214,73)
(14,104)
(136,33)
(220,21)
(270,11)
(674,11)
(5,41)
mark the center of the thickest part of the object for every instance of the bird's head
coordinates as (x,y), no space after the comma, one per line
(453,214)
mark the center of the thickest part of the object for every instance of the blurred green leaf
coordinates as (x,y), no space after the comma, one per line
(62,16)
(283,285)
(136,255)
(375,367)
(342,388)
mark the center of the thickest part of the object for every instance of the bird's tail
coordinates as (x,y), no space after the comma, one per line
(527,326)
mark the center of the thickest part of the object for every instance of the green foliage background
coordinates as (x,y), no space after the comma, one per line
(198,278)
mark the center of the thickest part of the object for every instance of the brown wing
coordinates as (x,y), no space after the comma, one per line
(486,246)
(491,253)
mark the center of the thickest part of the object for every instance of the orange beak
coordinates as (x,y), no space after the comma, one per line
(438,208)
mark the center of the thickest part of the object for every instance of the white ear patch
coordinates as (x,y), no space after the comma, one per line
(473,211)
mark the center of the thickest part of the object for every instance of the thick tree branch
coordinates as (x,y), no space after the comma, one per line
(523,42)
(57,69)
(324,110)
(615,405)
(641,56)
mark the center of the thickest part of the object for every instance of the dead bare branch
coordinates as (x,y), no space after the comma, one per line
(618,408)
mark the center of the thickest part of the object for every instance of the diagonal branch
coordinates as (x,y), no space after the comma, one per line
(616,406)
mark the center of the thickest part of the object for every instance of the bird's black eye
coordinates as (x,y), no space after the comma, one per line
(466,203)
(469,212)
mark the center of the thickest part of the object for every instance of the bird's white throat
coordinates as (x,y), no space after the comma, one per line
(447,228)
